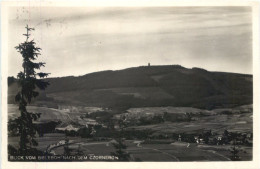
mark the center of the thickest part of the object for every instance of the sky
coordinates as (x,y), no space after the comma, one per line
(80,40)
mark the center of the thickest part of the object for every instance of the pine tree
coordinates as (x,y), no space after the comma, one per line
(28,84)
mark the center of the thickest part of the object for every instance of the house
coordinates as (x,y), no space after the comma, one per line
(68,128)
(202,141)
(249,135)
(89,121)
(196,138)
(138,143)
(179,139)
(93,131)
(117,126)
(219,138)
(199,140)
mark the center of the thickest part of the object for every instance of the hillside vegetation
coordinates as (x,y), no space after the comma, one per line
(148,86)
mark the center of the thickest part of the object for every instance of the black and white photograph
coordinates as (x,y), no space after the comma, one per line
(137,84)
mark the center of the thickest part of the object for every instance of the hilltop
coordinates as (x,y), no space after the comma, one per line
(148,86)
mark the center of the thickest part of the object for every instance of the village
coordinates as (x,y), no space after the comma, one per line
(101,126)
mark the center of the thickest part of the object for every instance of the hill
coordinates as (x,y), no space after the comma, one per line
(148,86)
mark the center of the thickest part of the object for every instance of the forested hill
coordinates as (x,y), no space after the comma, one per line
(170,85)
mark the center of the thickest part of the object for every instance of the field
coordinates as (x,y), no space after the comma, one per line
(238,119)
(176,151)
(217,123)
(64,115)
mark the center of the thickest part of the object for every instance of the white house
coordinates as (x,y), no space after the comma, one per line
(68,128)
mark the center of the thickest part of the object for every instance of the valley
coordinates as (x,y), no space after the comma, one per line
(160,144)
(154,113)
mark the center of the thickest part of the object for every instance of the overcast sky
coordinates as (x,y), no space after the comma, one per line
(76,41)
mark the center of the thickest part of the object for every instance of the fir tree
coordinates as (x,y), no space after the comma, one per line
(28,83)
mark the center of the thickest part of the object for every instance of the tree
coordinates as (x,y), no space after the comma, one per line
(28,84)
(67,150)
(120,146)
(234,151)
(85,132)
(120,150)
(79,151)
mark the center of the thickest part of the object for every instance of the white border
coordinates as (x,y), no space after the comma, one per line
(255,164)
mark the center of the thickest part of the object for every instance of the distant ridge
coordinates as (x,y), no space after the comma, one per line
(169,85)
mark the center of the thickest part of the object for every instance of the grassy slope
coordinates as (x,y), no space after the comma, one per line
(149,86)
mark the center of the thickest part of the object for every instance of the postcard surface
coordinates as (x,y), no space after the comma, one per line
(106,84)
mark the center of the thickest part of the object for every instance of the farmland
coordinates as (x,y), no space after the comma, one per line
(240,118)
(64,114)
(153,152)
(217,123)
(237,119)
(177,151)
